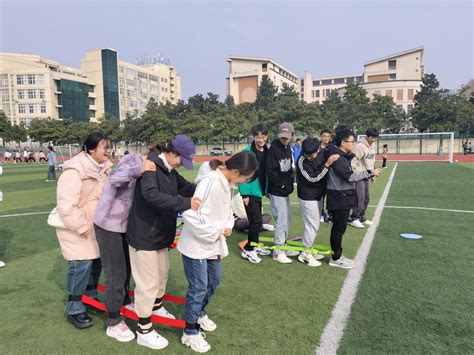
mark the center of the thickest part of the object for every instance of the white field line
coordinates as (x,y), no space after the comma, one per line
(428,209)
(334,330)
(22,214)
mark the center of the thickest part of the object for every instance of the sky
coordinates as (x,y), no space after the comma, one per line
(323,37)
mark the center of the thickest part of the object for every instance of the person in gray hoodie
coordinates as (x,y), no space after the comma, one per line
(341,192)
(364,160)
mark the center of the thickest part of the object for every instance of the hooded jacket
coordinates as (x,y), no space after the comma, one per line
(311,176)
(254,188)
(341,191)
(279,169)
(79,188)
(158,197)
(364,156)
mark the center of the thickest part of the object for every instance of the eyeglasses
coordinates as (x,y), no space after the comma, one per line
(107,147)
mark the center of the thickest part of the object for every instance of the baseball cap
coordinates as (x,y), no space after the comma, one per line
(286,130)
(186,148)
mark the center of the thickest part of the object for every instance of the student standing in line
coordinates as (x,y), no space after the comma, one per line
(79,188)
(326,138)
(311,171)
(203,243)
(42,157)
(158,198)
(110,223)
(253,192)
(384,156)
(52,162)
(341,192)
(364,160)
(280,185)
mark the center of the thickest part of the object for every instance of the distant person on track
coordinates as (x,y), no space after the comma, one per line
(52,163)
(384,156)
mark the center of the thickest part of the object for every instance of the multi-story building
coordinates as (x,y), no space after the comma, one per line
(35,87)
(246,73)
(399,76)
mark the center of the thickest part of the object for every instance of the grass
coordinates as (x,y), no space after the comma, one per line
(266,308)
(417,296)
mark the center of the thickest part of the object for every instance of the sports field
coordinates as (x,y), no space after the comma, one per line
(414,297)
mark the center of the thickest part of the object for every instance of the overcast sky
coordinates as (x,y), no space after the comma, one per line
(323,37)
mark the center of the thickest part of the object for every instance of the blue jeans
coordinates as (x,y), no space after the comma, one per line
(51,172)
(82,278)
(203,275)
(281,211)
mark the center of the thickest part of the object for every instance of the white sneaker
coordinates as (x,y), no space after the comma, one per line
(321,220)
(251,256)
(206,324)
(308,259)
(2,264)
(162,312)
(356,223)
(121,332)
(292,253)
(196,342)
(318,256)
(368,222)
(262,252)
(152,340)
(282,258)
(342,262)
(268,227)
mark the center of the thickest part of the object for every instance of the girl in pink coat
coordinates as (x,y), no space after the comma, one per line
(79,189)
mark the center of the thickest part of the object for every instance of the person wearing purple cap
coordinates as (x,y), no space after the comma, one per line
(158,198)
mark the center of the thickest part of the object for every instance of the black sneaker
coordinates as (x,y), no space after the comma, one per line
(81,320)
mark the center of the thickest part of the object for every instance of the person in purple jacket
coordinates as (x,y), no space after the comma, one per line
(110,223)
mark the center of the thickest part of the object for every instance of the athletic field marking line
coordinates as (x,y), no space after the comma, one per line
(23,214)
(427,209)
(334,330)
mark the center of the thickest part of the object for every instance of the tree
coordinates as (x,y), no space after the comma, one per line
(266,93)
(386,114)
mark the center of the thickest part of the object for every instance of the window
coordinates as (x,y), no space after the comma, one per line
(22,108)
(327,82)
(132,73)
(31,108)
(359,79)
(21,94)
(31,94)
(153,78)
(31,79)
(131,84)
(3,80)
(20,79)
(317,93)
(399,94)
(316,83)
(388,93)
(264,67)
(25,121)
(392,64)
(143,75)
(392,76)
(339,81)
(43,108)
(410,94)
(4,94)
(41,93)
(409,109)
(328,92)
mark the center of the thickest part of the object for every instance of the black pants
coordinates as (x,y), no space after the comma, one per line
(116,265)
(384,162)
(254,215)
(339,225)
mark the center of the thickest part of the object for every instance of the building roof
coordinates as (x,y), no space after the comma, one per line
(417,49)
(260,59)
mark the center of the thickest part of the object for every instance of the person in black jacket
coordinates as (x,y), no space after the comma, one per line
(158,198)
(311,173)
(280,185)
(341,192)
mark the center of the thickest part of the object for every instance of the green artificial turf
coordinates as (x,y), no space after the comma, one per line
(418,296)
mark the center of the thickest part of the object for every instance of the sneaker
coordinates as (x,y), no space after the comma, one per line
(196,342)
(292,253)
(121,332)
(2,264)
(318,256)
(262,252)
(308,259)
(152,340)
(268,227)
(251,255)
(206,324)
(130,306)
(342,262)
(356,223)
(321,219)
(162,312)
(368,222)
(282,258)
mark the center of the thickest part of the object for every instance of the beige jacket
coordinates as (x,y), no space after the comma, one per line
(364,156)
(79,188)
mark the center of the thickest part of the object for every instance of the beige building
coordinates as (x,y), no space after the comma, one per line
(246,73)
(398,75)
(32,86)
